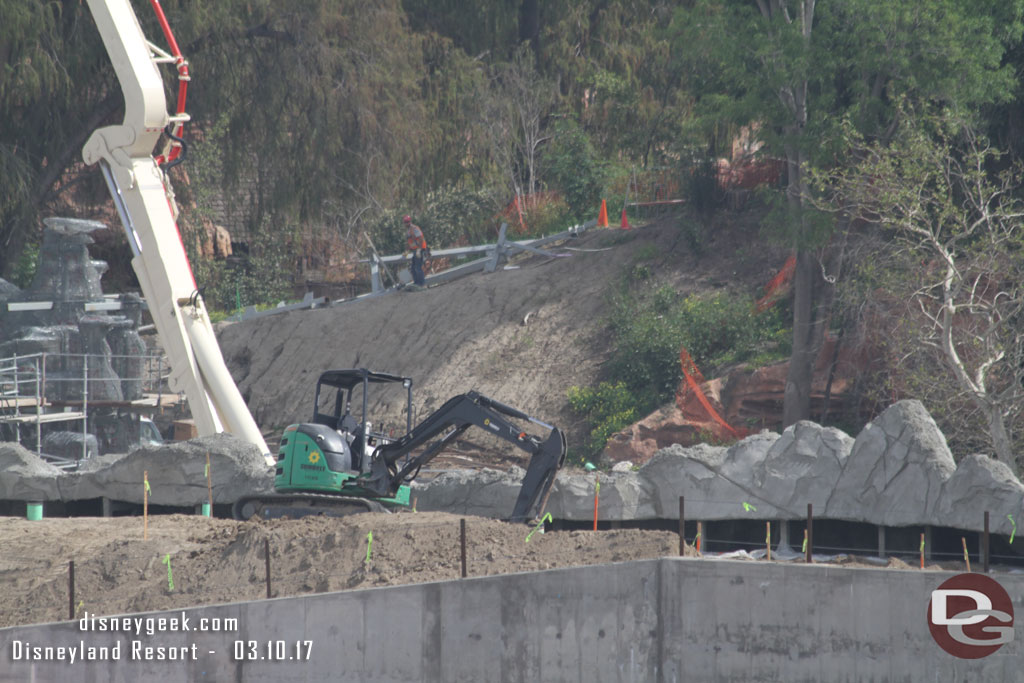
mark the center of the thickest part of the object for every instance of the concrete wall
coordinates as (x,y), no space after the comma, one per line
(657,620)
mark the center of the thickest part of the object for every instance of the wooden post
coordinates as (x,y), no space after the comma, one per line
(462,544)
(71,590)
(922,551)
(967,557)
(768,540)
(810,534)
(266,554)
(209,482)
(698,539)
(985,546)
(682,527)
(597,491)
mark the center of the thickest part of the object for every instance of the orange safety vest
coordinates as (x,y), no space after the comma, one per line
(414,238)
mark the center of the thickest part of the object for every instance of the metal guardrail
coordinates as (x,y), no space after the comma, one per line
(250,312)
(494,253)
(492,256)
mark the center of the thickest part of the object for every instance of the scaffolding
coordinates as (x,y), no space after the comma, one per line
(24,399)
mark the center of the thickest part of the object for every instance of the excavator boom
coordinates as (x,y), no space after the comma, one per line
(452,419)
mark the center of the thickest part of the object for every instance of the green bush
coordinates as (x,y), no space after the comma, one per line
(649,328)
(448,217)
(545,218)
(716,330)
(260,277)
(575,168)
(609,408)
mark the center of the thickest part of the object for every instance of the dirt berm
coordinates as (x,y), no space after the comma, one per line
(215,560)
(523,335)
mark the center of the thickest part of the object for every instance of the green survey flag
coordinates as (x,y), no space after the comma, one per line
(546,517)
(170,577)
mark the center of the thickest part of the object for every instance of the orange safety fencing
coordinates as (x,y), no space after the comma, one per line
(776,285)
(694,379)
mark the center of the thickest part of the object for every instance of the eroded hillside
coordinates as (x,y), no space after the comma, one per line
(522,335)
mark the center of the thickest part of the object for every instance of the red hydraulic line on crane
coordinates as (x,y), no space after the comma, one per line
(183,78)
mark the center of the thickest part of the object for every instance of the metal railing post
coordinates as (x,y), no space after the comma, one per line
(39,410)
(17,401)
(375,284)
(85,406)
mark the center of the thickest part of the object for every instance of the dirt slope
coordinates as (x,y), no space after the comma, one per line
(522,335)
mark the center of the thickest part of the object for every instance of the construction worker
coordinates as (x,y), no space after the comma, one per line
(417,247)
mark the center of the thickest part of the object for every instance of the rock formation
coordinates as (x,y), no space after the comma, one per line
(897,472)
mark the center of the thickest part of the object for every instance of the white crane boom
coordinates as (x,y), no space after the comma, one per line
(145,202)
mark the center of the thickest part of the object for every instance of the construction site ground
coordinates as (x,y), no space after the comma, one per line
(180,561)
(215,560)
(522,336)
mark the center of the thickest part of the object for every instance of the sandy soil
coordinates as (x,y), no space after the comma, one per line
(214,560)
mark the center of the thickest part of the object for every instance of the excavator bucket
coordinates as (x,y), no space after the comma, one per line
(540,476)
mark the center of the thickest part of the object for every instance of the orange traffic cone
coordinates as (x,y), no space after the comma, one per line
(625,221)
(602,217)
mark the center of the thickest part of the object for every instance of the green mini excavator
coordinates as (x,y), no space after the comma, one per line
(340,463)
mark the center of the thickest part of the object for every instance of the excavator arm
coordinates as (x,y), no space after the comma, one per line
(449,421)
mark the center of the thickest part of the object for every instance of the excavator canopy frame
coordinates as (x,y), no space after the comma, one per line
(344,383)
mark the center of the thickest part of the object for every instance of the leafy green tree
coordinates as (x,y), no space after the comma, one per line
(798,73)
(53,93)
(619,74)
(574,166)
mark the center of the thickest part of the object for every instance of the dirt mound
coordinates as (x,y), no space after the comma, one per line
(213,560)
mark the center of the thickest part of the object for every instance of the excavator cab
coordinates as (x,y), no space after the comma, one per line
(333,449)
(337,391)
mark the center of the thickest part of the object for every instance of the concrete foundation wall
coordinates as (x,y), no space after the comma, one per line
(657,620)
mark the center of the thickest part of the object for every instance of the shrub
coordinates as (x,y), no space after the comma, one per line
(609,408)
(575,168)
(448,217)
(649,328)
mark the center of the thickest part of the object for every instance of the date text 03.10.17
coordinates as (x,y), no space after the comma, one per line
(272,650)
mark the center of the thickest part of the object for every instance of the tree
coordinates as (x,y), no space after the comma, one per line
(332,110)
(800,72)
(960,224)
(519,103)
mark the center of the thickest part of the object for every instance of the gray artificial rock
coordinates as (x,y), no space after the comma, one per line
(692,472)
(176,473)
(896,470)
(484,492)
(25,476)
(801,467)
(623,495)
(981,483)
